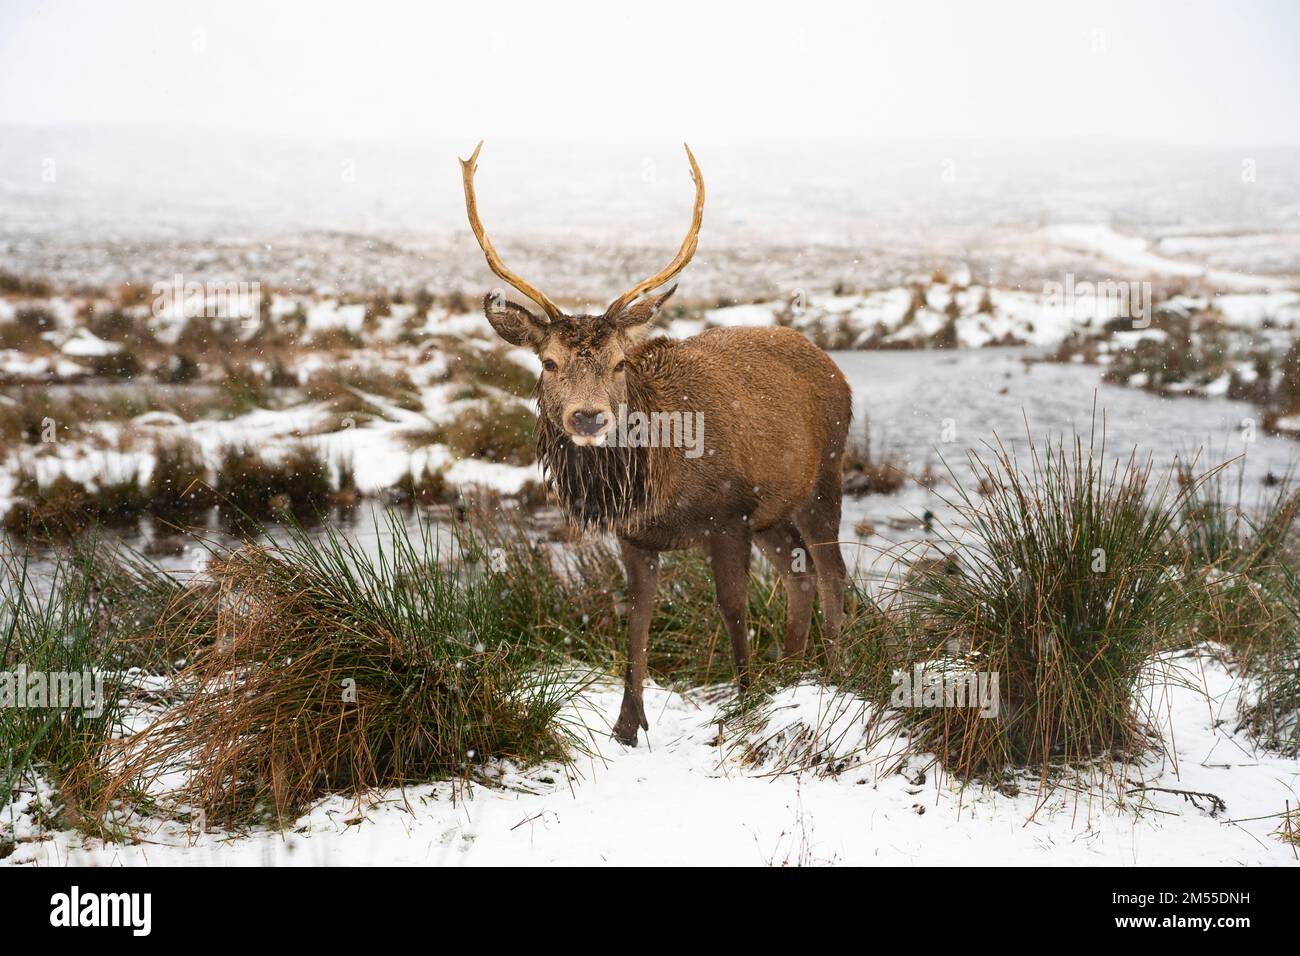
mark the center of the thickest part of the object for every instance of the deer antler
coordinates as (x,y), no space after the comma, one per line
(467,168)
(684,254)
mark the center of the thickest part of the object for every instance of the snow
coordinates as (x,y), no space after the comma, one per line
(742,315)
(507,479)
(1135,253)
(19,365)
(83,343)
(887,307)
(1129,339)
(688,798)
(1282,308)
(468,324)
(329,315)
(1218,387)
(378,451)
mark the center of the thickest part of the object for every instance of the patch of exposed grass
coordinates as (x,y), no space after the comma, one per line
(494,430)
(336,340)
(474,365)
(13,284)
(121,364)
(208,337)
(331,669)
(65,507)
(1271,709)
(427,487)
(124,328)
(31,414)
(249,485)
(54,640)
(339,387)
(1290,830)
(241,391)
(178,490)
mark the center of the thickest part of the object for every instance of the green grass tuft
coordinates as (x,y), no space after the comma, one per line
(328,669)
(1066,590)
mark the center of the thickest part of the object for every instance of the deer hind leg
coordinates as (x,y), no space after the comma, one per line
(728,554)
(785,548)
(819,522)
(642,569)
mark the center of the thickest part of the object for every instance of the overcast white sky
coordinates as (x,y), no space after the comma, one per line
(1183,72)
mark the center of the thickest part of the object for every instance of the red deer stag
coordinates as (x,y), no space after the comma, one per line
(761,417)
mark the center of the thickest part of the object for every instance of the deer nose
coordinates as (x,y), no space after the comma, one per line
(588,421)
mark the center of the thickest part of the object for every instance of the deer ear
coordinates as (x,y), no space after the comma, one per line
(641,312)
(512,322)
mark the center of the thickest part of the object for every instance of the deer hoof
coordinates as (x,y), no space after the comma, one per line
(631,715)
(625,733)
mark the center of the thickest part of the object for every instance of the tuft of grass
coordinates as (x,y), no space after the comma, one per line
(1065,590)
(54,629)
(240,391)
(1236,563)
(868,471)
(65,507)
(251,486)
(121,364)
(1290,831)
(343,389)
(477,366)
(493,431)
(61,509)
(33,286)
(29,415)
(330,669)
(1219,530)
(177,489)
(428,487)
(148,618)
(1271,711)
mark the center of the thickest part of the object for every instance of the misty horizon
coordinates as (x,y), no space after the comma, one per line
(1183,73)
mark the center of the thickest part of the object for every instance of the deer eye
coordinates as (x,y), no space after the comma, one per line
(622,364)
(549,365)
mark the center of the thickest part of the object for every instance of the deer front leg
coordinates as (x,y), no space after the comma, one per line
(642,569)
(729,557)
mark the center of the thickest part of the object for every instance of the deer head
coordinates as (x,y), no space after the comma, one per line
(584,357)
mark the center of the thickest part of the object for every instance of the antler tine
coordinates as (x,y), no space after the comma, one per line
(684,254)
(467,169)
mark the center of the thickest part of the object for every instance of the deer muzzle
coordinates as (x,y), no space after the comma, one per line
(588,426)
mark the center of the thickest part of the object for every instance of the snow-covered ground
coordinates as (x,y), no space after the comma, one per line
(690,798)
(378,450)
(1135,254)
